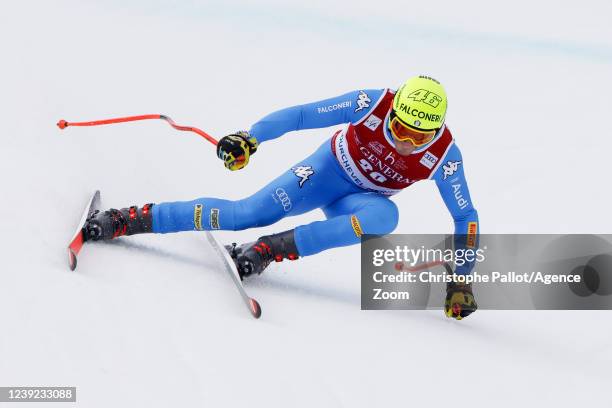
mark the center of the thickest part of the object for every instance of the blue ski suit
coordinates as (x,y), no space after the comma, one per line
(317,181)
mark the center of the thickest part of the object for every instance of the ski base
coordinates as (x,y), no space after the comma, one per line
(230,267)
(78,240)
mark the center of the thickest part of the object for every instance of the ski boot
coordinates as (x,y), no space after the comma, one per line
(254,257)
(115,223)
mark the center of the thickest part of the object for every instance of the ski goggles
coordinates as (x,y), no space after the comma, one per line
(404,132)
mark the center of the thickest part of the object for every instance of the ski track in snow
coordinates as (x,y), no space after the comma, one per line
(152,320)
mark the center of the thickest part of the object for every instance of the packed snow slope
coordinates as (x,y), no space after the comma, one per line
(152,321)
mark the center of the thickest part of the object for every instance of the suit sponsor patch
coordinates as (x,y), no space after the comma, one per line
(197,216)
(336,106)
(372,122)
(363,101)
(304,173)
(471,235)
(214,218)
(356,226)
(428,160)
(450,168)
(283,198)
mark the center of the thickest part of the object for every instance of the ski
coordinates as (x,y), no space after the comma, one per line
(230,267)
(78,240)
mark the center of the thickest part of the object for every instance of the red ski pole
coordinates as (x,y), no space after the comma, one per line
(400,266)
(62,124)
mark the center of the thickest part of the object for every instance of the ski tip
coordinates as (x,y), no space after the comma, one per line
(255,308)
(72,259)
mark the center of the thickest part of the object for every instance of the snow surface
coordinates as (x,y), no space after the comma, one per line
(151,321)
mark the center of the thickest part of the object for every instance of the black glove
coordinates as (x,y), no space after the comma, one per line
(236,149)
(460,300)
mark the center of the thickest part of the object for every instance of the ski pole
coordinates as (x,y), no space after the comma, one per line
(62,124)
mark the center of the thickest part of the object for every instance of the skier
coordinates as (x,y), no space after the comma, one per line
(392,140)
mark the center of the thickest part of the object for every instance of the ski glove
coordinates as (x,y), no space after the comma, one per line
(460,300)
(235,149)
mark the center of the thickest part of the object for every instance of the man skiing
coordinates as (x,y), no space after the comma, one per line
(392,140)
